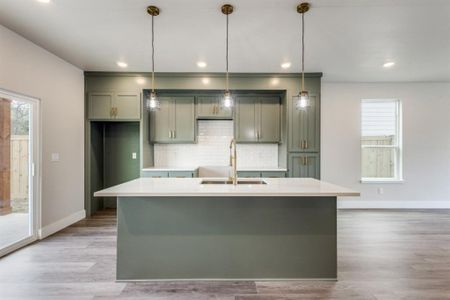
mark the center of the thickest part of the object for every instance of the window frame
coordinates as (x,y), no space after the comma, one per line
(398,146)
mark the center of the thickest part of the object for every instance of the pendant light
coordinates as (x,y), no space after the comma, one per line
(302,100)
(227,100)
(153,102)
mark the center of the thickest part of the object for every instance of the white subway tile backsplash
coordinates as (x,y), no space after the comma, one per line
(212,149)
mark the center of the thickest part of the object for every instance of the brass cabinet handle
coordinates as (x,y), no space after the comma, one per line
(304,160)
(114,111)
(302,142)
(170,134)
(306,144)
(111,112)
(173,134)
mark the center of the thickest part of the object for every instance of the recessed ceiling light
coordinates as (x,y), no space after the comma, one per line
(122,64)
(201,64)
(388,64)
(43,1)
(286,65)
(205,80)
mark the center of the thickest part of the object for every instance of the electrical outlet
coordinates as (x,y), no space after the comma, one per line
(380,191)
(134,155)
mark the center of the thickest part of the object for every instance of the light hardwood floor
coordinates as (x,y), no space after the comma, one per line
(382,255)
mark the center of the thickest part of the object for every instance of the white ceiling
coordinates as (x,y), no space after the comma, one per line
(347,40)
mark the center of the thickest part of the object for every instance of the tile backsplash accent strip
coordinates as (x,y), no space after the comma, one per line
(212,149)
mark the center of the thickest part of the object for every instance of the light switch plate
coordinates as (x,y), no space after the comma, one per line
(55,156)
(134,155)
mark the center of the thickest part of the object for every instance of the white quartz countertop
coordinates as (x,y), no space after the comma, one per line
(188,187)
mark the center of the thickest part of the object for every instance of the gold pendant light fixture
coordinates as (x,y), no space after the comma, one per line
(153,103)
(302,100)
(227,101)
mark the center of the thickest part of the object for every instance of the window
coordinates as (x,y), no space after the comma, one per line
(381,155)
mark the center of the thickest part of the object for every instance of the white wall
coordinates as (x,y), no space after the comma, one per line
(426,143)
(28,69)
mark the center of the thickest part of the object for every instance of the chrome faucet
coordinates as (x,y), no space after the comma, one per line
(233,158)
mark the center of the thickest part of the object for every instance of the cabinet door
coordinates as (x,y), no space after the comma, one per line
(245,122)
(305,127)
(268,114)
(181,174)
(208,107)
(100,105)
(184,120)
(304,165)
(128,106)
(273,174)
(223,112)
(155,174)
(249,174)
(161,122)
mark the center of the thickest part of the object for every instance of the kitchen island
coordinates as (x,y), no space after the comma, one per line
(194,228)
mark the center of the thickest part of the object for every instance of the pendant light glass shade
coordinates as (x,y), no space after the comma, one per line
(302,100)
(227,100)
(152,102)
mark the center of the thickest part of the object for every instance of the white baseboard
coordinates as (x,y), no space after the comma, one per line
(384,204)
(61,224)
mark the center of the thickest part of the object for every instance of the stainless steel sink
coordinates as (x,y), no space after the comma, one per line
(215,181)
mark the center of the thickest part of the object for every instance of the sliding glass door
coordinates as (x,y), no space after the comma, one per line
(19,153)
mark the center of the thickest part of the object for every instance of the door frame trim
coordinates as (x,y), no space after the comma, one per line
(35,206)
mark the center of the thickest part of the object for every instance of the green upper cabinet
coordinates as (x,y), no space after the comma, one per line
(128,106)
(208,107)
(305,127)
(183,119)
(257,119)
(304,165)
(100,106)
(174,122)
(245,121)
(114,106)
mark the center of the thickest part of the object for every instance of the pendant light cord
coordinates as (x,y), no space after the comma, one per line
(153,55)
(303,52)
(227,82)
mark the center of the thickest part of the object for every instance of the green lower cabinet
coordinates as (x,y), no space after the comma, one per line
(182,174)
(248,174)
(264,174)
(304,165)
(155,174)
(173,174)
(273,174)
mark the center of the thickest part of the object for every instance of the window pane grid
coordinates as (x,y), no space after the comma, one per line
(380,140)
